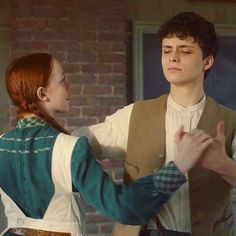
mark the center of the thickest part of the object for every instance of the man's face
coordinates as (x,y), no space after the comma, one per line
(182,61)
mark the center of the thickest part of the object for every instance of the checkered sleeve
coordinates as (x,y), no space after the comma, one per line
(168,179)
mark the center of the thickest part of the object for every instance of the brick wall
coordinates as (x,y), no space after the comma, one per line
(90,38)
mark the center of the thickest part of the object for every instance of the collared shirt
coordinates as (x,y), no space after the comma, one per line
(112,135)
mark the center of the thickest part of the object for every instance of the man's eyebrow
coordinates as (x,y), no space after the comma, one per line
(180,46)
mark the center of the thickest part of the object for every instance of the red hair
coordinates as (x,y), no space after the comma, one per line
(24,76)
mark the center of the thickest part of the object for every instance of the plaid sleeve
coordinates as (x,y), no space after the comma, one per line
(168,179)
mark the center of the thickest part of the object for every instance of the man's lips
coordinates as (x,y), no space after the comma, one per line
(174,69)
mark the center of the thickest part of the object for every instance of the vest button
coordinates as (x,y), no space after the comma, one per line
(162,156)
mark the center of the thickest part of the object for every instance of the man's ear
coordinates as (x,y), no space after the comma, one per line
(41,94)
(208,62)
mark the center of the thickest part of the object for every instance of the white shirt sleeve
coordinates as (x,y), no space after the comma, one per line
(109,139)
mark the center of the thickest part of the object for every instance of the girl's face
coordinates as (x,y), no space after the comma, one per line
(56,94)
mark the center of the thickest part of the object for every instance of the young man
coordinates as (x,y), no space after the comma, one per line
(143,134)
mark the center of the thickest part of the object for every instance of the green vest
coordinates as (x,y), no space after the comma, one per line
(210,195)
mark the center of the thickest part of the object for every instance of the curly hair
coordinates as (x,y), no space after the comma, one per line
(191,24)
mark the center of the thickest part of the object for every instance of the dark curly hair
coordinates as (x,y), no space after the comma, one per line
(191,24)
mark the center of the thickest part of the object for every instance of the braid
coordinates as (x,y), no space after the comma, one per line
(25,108)
(50,120)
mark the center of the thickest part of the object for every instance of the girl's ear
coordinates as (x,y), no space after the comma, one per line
(209,61)
(41,94)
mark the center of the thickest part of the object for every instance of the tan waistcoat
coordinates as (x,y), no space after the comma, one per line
(210,197)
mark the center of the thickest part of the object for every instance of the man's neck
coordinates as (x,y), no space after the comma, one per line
(185,97)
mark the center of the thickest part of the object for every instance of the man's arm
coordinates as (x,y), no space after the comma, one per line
(109,138)
(138,202)
(216,159)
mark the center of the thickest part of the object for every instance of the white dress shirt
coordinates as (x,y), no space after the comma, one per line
(112,135)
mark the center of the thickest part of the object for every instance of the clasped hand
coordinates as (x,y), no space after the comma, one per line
(199,147)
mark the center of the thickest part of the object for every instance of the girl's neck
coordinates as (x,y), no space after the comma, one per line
(28,115)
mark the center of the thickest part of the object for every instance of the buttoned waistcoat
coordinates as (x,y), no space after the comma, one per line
(210,195)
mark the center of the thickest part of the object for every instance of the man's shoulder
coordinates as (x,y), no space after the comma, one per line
(221,112)
(222,107)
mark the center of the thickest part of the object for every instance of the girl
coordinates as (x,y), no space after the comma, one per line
(41,165)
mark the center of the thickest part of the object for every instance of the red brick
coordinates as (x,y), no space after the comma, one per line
(118,5)
(97,46)
(88,14)
(112,79)
(84,100)
(22,35)
(96,68)
(71,67)
(92,229)
(119,26)
(17,54)
(82,79)
(81,36)
(68,45)
(95,111)
(49,12)
(119,68)
(95,4)
(31,23)
(112,15)
(106,228)
(59,55)
(120,90)
(21,11)
(119,47)
(91,25)
(82,57)
(78,122)
(60,24)
(74,111)
(112,36)
(96,217)
(75,89)
(22,3)
(50,35)
(111,58)
(63,3)
(112,101)
(34,45)
(104,26)
(96,90)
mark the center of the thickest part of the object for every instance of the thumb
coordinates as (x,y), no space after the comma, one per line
(179,134)
(220,131)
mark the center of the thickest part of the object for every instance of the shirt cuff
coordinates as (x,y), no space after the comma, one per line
(169,178)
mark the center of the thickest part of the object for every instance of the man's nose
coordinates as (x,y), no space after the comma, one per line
(174,56)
